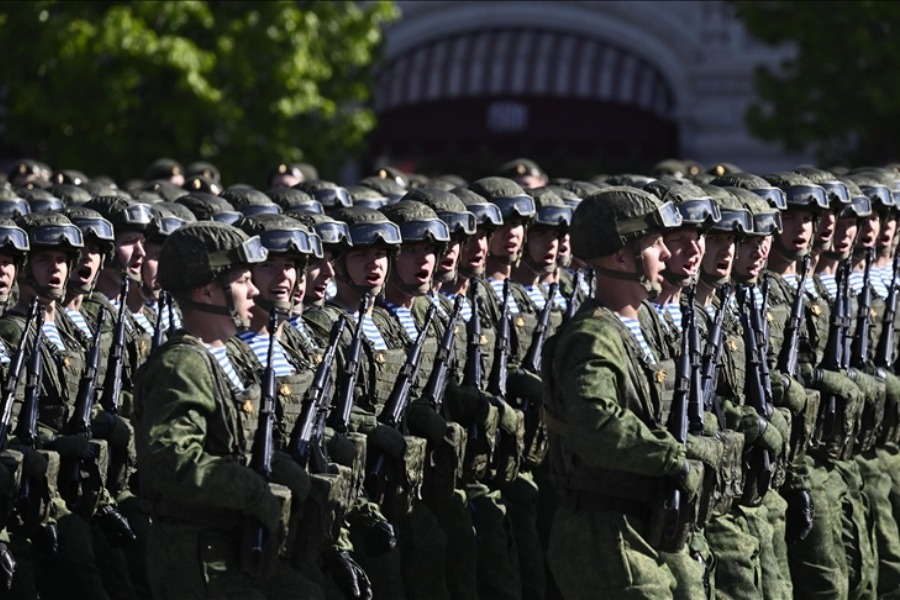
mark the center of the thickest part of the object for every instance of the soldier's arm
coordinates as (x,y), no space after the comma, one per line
(600,430)
(178,396)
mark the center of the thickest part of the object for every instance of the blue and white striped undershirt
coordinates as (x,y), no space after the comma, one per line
(829,282)
(164,315)
(559,300)
(465,309)
(79,321)
(635,328)
(260,345)
(673,309)
(300,325)
(330,290)
(370,331)
(497,286)
(404,315)
(221,356)
(52,332)
(536,296)
(5,358)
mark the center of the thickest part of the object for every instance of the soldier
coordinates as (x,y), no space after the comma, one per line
(609,449)
(195,424)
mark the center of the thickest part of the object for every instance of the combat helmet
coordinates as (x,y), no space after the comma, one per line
(50,231)
(94,230)
(367,227)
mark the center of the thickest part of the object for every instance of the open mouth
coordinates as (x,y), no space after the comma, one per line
(373,279)
(447,264)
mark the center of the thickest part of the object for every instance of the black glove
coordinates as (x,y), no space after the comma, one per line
(46,541)
(380,539)
(7,567)
(114,526)
(349,577)
(799,515)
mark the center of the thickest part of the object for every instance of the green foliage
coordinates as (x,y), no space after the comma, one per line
(837,95)
(109,87)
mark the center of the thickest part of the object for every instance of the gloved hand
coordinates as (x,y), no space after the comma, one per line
(467,402)
(340,449)
(788,392)
(46,541)
(112,428)
(388,440)
(7,567)
(72,446)
(380,538)
(423,421)
(509,419)
(286,471)
(526,386)
(799,515)
(114,526)
(267,509)
(349,576)
(689,479)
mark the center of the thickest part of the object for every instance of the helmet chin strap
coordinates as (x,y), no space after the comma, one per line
(228,310)
(652,288)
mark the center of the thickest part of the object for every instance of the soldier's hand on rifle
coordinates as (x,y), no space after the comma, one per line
(349,576)
(525,385)
(72,446)
(788,392)
(340,449)
(799,515)
(509,418)
(34,464)
(380,538)
(423,421)
(267,509)
(112,428)
(287,472)
(114,526)
(689,479)
(388,440)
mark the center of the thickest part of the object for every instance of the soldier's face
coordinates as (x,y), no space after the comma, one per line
(415,263)
(276,277)
(686,246)
(150,266)
(543,247)
(446,267)
(719,256)
(50,269)
(87,268)
(825,229)
(130,252)
(367,266)
(508,238)
(797,229)
(752,256)
(844,235)
(869,231)
(888,229)
(243,291)
(654,253)
(564,256)
(475,250)
(319,274)
(7,275)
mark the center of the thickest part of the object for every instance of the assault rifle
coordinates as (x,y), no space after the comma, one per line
(473,373)
(29,500)
(112,386)
(437,380)
(497,378)
(573,305)
(787,359)
(532,360)
(339,419)
(712,352)
(859,354)
(884,353)
(16,365)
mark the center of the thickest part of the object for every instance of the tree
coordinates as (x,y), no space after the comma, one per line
(836,96)
(109,87)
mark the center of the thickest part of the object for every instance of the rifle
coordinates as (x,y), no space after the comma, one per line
(884,352)
(692,332)
(80,422)
(712,352)
(264,442)
(437,381)
(497,379)
(532,360)
(836,351)
(305,442)
(760,461)
(156,340)
(572,307)
(473,373)
(112,386)
(392,412)
(787,359)
(859,353)
(28,504)
(339,419)
(17,363)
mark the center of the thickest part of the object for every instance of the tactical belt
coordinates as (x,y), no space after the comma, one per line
(214,517)
(581,500)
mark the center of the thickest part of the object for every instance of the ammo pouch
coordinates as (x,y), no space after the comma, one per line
(445,462)
(536,442)
(357,473)
(265,563)
(81,482)
(754,488)
(316,524)
(780,463)
(669,526)
(729,474)
(481,441)
(508,452)
(803,427)
(35,509)
(11,460)
(399,499)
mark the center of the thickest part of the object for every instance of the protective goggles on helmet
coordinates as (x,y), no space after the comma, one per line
(773,195)
(767,223)
(164,226)
(311,207)
(137,214)
(464,223)
(14,207)
(837,193)
(806,196)
(291,241)
(57,235)
(15,237)
(333,197)
(373,203)
(522,206)
(554,216)
(40,205)
(368,234)
(227,216)
(859,208)
(96,227)
(433,230)
(333,232)
(664,217)
(486,214)
(878,193)
(251,251)
(252,210)
(699,211)
(735,220)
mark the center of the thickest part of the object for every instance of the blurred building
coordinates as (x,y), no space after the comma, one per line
(582,87)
